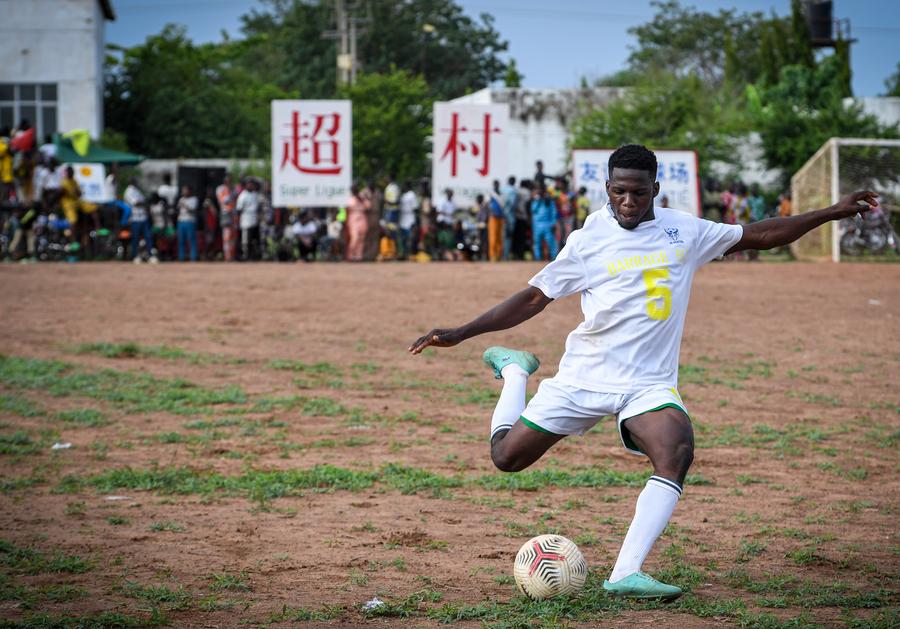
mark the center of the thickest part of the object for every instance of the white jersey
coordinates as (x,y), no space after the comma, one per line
(634,285)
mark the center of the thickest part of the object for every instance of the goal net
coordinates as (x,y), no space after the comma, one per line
(840,167)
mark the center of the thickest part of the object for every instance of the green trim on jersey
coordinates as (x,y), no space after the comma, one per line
(534,426)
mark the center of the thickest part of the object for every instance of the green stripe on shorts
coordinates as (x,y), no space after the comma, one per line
(534,426)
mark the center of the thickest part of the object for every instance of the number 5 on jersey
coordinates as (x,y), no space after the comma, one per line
(659,296)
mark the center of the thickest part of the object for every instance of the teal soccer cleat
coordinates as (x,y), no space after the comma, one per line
(642,586)
(499,357)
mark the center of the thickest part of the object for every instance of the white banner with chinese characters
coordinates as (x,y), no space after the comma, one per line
(90,178)
(311,152)
(679,183)
(469,150)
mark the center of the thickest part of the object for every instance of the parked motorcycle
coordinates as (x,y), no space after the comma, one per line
(872,233)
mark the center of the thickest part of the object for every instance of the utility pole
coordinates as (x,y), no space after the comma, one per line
(346,34)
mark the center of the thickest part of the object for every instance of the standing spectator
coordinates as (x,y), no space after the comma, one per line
(267,225)
(167,192)
(392,210)
(757,204)
(565,211)
(539,175)
(784,204)
(375,199)
(543,222)
(510,201)
(496,224)
(247,207)
(48,183)
(712,201)
(481,210)
(358,208)
(22,230)
(409,205)
(7,182)
(757,212)
(140,223)
(48,149)
(333,245)
(523,220)
(427,238)
(582,207)
(210,225)
(72,205)
(446,210)
(187,223)
(111,185)
(226,197)
(728,198)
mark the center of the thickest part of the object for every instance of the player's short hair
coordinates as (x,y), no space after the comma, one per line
(634,156)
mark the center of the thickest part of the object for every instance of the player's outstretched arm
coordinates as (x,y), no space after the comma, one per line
(777,232)
(515,310)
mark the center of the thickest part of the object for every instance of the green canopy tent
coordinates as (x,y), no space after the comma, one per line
(96,154)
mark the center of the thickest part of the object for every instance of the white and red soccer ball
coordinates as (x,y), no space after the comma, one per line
(548,566)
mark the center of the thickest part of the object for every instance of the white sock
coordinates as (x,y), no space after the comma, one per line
(512,398)
(652,513)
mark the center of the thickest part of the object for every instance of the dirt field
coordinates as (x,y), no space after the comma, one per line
(252,445)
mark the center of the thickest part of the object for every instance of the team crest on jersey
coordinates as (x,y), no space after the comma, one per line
(672,233)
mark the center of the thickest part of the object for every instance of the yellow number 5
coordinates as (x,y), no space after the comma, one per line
(657,291)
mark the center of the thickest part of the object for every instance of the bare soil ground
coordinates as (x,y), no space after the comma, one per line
(251,444)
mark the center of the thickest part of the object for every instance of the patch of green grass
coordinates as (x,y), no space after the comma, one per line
(118,520)
(220,581)
(176,599)
(31,561)
(11,483)
(134,350)
(302,614)
(172,527)
(129,391)
(319,368)
(790,591)
(323,407)
(19,443)
(103,620)
(749,550)
(19,405)
(89,417)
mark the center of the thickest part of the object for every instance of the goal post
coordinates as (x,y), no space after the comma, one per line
(839,167)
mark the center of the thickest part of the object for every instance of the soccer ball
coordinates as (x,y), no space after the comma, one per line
(548,566)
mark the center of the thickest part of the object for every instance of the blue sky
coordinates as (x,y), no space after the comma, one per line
(554,43)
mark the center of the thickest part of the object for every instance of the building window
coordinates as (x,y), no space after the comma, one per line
(35,102)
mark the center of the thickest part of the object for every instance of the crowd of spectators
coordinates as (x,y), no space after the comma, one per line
(43,217)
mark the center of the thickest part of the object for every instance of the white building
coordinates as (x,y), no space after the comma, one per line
(539,121)
(51,64)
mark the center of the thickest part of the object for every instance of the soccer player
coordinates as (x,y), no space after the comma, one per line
(633,264)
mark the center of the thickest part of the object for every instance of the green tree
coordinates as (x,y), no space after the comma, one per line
(892,83)
(724,47)
(171,98)
(513,77)
(391,124)
(803,110)
(665,111)
(459,54)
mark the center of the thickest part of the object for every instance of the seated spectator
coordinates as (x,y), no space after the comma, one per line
(305,230)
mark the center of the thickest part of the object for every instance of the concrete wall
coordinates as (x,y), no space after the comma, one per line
(539,122)
(62,42)
(885,108)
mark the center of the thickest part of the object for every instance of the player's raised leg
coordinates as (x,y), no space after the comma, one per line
(667,438)
(514,446)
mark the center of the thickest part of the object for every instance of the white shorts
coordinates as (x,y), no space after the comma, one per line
(562,409)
